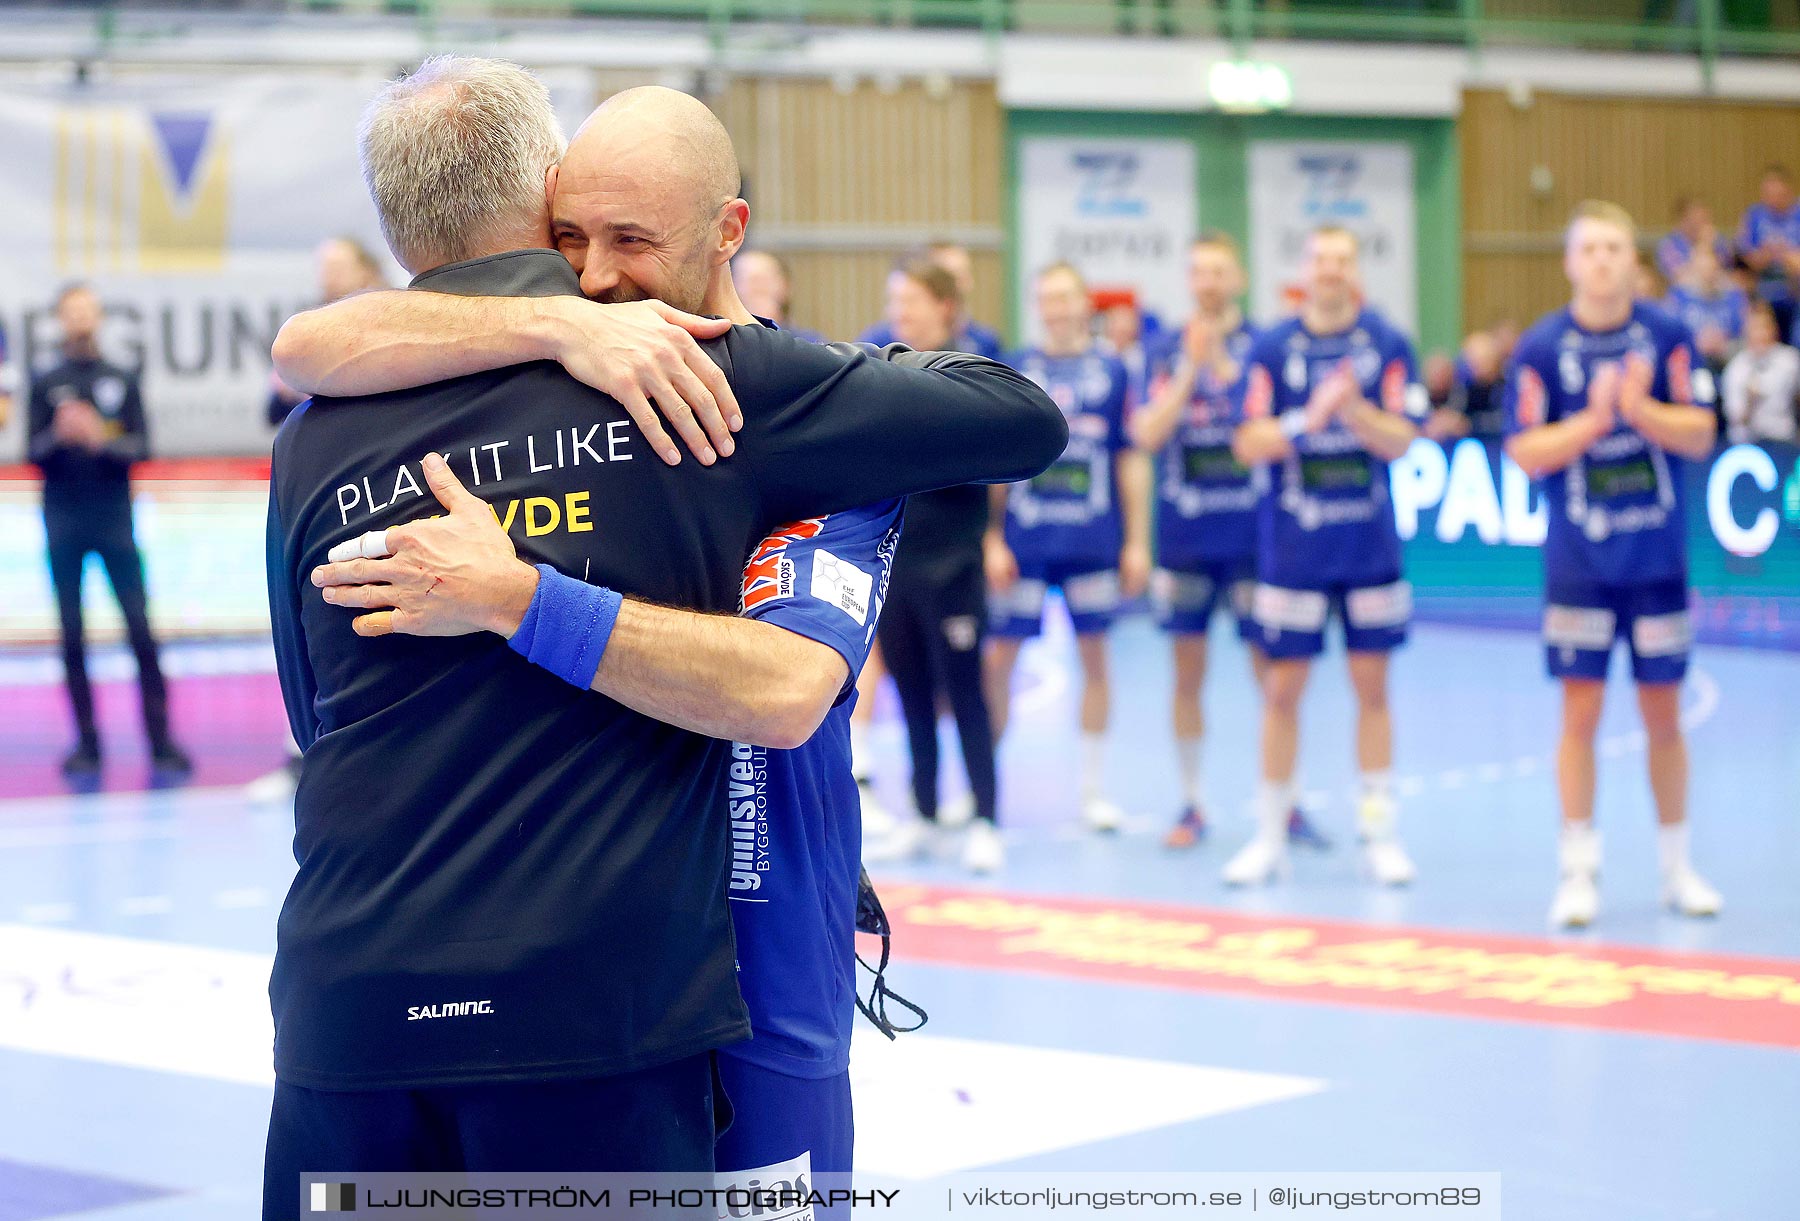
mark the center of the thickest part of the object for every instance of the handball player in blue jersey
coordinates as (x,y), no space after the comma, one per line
(1206,505)
(1768,241)
(1330,398)
(1606,399)
(1205,530)
(1083,526)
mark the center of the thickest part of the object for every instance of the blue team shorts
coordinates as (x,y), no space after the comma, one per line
(1582,622)
(783,1126)
(1089,587)
(1185,596)
(1291,621)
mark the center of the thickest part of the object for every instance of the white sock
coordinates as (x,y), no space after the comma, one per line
(1274,799)
(1672,848)
(1378,784)
(859,752)
(1578,849)
(1093,763)
(1187,758)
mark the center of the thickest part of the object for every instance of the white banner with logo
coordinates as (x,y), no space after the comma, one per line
(1364,186)
(1120,210)
(193,203)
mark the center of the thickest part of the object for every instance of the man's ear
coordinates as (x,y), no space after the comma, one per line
(731,229)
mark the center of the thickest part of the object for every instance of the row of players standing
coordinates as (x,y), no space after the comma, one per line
(1254,472)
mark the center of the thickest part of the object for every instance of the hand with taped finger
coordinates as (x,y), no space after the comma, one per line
(446,576)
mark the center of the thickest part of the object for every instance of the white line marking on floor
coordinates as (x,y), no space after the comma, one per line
(233,900)
(47,913)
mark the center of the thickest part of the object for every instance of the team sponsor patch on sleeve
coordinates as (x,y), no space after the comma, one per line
(1531,398)
(1259,394)
(842,584)
(769,576)
(1680,368)
(1395,392)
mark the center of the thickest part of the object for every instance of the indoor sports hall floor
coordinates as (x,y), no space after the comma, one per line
(1102,1004)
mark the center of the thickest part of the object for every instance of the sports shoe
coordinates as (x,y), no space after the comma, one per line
(170,759)
(877,820)
(1302,832)
(1388,863)
(1690,894)
(1188,830)
(83,762)
(1100,814)
(1257,862)
(1577,901)
(959,811)
(911,839)
(1376,816)
(982,850)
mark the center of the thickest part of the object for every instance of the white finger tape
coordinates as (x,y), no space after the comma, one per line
(370,546)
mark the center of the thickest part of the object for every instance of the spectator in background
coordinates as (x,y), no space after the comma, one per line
(1481,385)
(971,336)
(762,282)
(1712,306)
(344,266)
(1693,231)
(1769,243)
(1473,405)
(1439,377)
(1122,334)
(1505,334)
(87,428)
(1761,383)
(934,624)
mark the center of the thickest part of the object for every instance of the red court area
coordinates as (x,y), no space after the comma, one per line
(1615,988)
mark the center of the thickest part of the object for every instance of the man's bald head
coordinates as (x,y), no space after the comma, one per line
(646,203)
(671,134)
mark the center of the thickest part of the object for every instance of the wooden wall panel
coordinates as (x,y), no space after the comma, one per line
(840,182)
(1639,152)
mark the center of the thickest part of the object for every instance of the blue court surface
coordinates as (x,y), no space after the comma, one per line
(136,926)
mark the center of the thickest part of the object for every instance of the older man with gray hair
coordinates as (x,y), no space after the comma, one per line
(507,945)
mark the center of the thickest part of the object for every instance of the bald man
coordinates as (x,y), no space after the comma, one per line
(643,205)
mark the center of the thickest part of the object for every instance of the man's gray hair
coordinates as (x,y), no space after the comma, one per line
(454,155)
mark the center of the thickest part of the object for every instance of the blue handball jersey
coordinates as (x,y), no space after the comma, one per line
(1071,511)
(1206,499)
(1326,517)
(1616,513)
(796,836)
(1697,312)
(1764,226)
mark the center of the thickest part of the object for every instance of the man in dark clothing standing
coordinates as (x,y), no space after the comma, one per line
(87,428)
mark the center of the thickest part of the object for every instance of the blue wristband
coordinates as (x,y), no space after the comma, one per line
(567,625)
